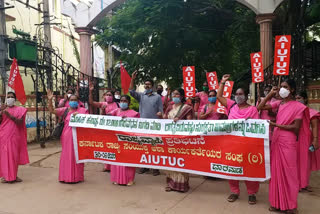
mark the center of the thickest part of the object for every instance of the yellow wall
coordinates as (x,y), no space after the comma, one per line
(25,20)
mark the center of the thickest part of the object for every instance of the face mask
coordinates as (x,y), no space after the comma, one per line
(117,97)
(205,88)
(123,105)
(176,100)
(212,99)
(240,99)
(148,91)
(266,93)
(284,93)
(159,91)
(69,95)
(301,101)
(108,99)
(73,104)
(10,101)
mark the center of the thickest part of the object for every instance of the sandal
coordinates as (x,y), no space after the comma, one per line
(4,180)
(294,211)
(18,179)
(130,183)
(273,209)
(307,189)
(252,199)
(233,197)
(168,189)
(115,183)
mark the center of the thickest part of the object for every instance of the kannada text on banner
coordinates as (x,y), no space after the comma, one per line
(231,149)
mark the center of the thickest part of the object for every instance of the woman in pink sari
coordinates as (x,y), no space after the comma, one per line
(311,160)
(203,98)
(239,109)
(208,111)
(123,175)
(69,170)
(65,101)
(178,181)
(13,140)
(107,106)
(284,183)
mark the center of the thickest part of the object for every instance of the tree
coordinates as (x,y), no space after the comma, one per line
(158,37)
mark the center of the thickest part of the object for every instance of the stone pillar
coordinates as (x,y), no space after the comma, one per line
(85,50)
(265,22)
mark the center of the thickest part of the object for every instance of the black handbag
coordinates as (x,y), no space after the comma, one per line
(59,127)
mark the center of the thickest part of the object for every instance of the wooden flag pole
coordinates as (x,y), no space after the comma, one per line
(279,83)
(258,91)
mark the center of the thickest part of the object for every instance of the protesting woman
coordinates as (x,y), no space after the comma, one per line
(123,175)
(178,181)
(208,111)
(13,140)
(284,183)
(107,106)
(239,109)
(202,97)
(69,170)
(65,101)
(310,160)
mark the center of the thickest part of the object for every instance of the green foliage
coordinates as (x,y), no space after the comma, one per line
(159,37)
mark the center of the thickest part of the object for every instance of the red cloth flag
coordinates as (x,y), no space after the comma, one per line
(15,82)
(281,63)
(125,79)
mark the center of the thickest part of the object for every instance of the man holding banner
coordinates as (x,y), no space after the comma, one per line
(239,109)
(150,105)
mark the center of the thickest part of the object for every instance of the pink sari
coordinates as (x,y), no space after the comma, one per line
(108,107)
(213,115)
(284,183)
(69,170)
(203,100)
(13,144)
(236,113)
(315,156)
(123,174)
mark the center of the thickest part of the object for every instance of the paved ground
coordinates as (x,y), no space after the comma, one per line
(42,193)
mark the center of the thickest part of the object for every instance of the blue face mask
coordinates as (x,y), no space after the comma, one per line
(176,100)
(148,91)
(73,104)
(212,99)
(123,105)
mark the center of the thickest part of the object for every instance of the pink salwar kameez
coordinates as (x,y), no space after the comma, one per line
(123,174)
(284,183)
(13,143)
(69,170)
(248,113)
(108,107)
(315,156)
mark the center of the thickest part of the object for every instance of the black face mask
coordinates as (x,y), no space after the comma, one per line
(159,91)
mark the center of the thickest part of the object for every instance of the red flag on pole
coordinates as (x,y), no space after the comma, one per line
(281,63)
(15,82)
(125,79)
(257,67)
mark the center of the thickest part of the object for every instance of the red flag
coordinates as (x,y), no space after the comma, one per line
(227,91)
(15,82)
(189,83)
(257,67)
(125,79)
(282,55)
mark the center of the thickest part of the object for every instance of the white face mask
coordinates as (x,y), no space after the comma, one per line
(117,97)
(10,101)
(284,93)
(240,99)
(69,95)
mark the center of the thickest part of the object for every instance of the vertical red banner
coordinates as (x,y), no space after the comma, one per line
(189,83)
(282,55)
(257,67)
(212,80)
(227,91)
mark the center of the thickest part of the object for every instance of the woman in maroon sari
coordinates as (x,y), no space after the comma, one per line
(178,181)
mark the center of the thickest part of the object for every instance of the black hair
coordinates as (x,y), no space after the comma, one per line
(127,97)
(73,95)
(304,95)
(149,80)
(70,89)
(245,91)
(268,86)
(14,94)
(292,85)
(215,92)
(182,94)
(160,86)
(108,90)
